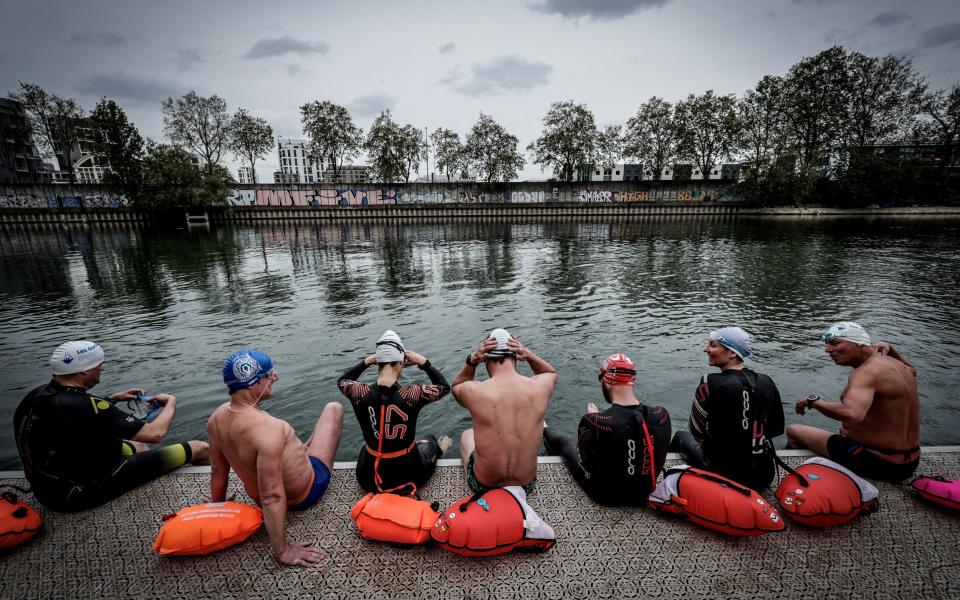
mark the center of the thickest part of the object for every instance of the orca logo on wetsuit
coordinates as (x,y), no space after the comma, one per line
(631,454)
(745,423)
(373,422)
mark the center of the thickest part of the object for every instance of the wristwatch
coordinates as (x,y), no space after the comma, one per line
(471,363)
(811,399)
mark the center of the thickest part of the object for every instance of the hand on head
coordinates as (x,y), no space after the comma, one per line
(517,348)
(486,345)
(412,358)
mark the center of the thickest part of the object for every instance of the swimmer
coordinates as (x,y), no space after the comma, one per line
(278,471)
(620,451)
(507,411)
(79,450)
(392,459)
(878,410)
(735,414)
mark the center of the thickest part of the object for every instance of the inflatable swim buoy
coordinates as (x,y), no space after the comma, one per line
(945,492)
(18,521)
(393,518)
(714,502)
(206,528)
(821,493)
(492,522)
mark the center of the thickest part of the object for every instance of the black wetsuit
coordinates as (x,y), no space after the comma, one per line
(73,451)
(734,415)
(612,460)
(404,462)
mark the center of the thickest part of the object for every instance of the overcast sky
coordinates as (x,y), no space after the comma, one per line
(440,63)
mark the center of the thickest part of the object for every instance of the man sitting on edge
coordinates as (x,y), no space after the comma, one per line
(507,411)
(277,470)
(620,451)
(80,450)
(878,410)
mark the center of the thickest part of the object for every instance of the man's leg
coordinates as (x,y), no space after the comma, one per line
(692,450)
(812,438)
(565,447)
(467,446)
(326,434)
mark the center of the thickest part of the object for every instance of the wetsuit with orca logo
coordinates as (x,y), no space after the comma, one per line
(403,462)
(619,452)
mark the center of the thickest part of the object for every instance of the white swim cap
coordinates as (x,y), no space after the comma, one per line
(389,347)
(849,331)
(735,339)
(502,336)
(73,357)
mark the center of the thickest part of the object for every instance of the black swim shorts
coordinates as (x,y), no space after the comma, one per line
(861,461)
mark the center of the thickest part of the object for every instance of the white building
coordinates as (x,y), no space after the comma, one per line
(294,164)
(244,175)
(348,174)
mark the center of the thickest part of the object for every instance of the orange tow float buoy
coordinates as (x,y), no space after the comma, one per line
(18,521)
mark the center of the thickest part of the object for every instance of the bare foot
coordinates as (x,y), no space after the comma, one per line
(444,442)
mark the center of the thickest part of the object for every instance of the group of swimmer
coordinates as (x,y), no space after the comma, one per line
(80,450)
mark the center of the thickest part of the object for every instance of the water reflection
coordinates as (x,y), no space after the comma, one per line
(169,305)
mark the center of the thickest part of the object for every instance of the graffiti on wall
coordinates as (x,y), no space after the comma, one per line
(65,201)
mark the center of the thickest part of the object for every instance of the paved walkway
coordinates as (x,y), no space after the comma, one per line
(907,550)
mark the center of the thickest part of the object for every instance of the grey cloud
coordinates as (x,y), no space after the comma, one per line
(295,70)
(890,18)
(132,88)
(281,46)
(504,73)
(451,77)
(447,48)
(947,34)
(370,105)
(107,40)
(187,58)
(817,2)
(597,10)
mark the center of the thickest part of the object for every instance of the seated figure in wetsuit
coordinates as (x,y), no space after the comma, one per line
(79,450)
(278,471)
(735,415)
(621,450)
(879,409)
(390,459)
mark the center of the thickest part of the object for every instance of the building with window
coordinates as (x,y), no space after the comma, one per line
(20,161)
(295,166)
(347,174)
(244,175)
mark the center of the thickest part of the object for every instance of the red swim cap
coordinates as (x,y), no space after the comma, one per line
(618,369)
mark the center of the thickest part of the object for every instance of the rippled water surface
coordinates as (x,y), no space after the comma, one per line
(168,306)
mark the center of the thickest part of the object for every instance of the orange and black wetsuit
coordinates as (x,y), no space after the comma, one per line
(404,464)
(72,445)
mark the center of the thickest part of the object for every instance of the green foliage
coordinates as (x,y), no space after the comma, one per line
(120,144)
(610,146)
(568,142)
(172,178)
(651,136)
(492,152)
(53,119)
(707,129)
(394,150)
(450,154)
(249,138)
(200,123)
(334,139)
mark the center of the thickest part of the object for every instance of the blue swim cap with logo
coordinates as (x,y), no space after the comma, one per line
(244,368)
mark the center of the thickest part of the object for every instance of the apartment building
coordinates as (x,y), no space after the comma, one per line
(295,166)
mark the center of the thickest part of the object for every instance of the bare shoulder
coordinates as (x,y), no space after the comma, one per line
(216,416)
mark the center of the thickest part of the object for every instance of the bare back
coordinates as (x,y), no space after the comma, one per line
(507,414)
(892,421)
(242,436)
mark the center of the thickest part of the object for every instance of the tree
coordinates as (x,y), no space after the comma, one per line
(707,129)
(120,144)
(54,119)
(816,103)
(171,178)
(883,96)
(610,146)
(393,150)
(943,110)
(492,152)
(762,125)
(198,123)
(651,136)
(250,138)
(568,142)
(449,152)
(334,139)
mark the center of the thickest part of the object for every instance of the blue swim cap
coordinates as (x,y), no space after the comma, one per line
(244,368)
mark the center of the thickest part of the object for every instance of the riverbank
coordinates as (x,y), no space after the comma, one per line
(453,212)
(906,550)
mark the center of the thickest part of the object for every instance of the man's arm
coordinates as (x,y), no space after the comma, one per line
(348,380)
(219,472)
(542,370)
(469,370)
(852,407)
(273,499)
(698,412)
(153,432)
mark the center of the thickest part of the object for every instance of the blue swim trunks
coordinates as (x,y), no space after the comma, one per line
(321,479)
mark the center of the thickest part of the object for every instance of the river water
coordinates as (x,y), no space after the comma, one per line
(169,306)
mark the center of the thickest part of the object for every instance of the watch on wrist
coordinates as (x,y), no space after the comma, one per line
(470,362)
(811,399)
